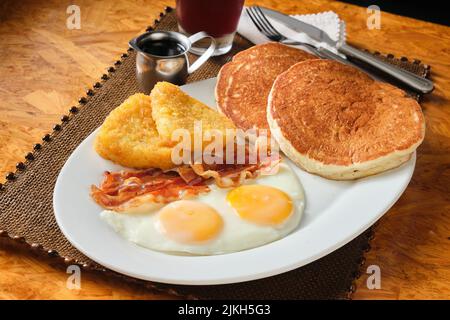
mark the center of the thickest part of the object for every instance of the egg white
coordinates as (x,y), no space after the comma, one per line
(143,228)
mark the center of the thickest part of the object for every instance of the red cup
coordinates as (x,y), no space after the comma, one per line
(218,18)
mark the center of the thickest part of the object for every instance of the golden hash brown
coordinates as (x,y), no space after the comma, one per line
(129,136)
(173,109)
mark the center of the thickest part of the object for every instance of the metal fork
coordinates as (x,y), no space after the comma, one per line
(266,28)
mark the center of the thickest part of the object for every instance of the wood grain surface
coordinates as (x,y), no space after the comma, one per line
(45,68)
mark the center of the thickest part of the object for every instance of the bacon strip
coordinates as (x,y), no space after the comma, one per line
(120,190)
(225,176)
(124,189)
(229,175)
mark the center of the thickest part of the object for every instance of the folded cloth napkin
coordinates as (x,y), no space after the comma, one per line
(327,21)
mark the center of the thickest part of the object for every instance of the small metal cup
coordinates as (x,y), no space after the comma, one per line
(153,68)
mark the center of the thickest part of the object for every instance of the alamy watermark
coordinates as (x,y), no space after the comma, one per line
(374,18)
(234,146)
(374,280)
(74,280)
(74,19)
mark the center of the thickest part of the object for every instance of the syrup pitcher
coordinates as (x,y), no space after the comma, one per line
(162,56)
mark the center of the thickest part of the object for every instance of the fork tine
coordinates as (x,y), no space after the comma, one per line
(266,22)
(259,23)
(250,14)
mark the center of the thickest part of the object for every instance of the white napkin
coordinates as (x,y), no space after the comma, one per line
(327,21)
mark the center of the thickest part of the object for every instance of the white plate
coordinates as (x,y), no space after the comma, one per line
(336,212)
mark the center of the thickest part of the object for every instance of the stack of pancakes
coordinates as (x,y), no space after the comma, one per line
(244,83)
(329,118)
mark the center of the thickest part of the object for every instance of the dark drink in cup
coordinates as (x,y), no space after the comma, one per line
(218,18)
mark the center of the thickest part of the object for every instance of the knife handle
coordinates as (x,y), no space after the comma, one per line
(418,83)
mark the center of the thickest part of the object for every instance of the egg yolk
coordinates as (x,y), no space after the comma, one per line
(190,222)
(263,205)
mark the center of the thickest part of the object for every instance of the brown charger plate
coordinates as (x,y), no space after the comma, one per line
(27,211)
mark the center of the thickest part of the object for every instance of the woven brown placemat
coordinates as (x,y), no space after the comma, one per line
(26,198)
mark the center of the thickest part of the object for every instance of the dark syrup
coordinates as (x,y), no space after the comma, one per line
(162,48)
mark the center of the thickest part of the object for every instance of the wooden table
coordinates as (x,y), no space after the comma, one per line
(45,68)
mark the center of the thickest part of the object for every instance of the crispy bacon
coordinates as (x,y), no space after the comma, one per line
(224,176)
(120,190)
(229,175)
(124,189)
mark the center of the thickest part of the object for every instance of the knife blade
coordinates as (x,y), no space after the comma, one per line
(412,80)
(300,26)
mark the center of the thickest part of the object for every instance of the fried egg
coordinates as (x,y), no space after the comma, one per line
(221,221)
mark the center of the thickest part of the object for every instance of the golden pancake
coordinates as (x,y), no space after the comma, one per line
(270,49)
(335,121)
(243,84)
